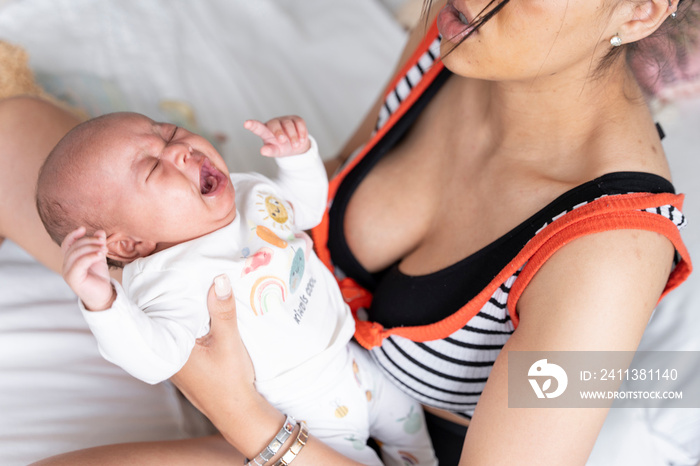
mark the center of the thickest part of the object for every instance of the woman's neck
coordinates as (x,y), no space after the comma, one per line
(552,118)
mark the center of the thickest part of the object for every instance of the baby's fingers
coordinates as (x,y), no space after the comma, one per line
(301,130)
(270,139)
(261,130)
(71,238)
(78,237)
(295,129)
(99,239)
(88,253)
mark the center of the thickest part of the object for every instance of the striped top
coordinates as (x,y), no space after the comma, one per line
(442,354)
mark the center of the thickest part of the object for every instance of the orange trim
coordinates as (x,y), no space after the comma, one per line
(320,232)
(355,295)
(608,213)
(422,47)
(632,220)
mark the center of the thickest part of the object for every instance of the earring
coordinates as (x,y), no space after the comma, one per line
(670,4)
(616,41)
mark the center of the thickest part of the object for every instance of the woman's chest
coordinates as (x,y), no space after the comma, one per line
(442,192)
(420,208)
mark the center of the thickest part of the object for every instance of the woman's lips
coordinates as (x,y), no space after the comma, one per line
(451,23)
(211,180)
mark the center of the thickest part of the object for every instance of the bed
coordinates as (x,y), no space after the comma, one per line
(209,65)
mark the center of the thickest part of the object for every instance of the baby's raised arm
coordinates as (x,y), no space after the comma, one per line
(282,136)
(85,268)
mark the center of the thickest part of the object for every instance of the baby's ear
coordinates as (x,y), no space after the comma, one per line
(124,248)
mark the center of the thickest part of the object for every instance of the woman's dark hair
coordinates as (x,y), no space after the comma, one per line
(661,56)
(664,56)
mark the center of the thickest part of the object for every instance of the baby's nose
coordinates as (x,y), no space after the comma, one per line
(180,154)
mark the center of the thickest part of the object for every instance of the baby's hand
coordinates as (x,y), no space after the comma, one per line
(281,136)
(85,269)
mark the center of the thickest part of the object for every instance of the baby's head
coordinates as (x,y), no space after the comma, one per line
(148,185)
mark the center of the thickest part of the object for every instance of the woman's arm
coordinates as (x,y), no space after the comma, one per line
(29,128)
(218,379)
(212,451)
(595,294)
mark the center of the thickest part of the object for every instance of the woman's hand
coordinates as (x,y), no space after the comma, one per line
(219,366)
(218,378)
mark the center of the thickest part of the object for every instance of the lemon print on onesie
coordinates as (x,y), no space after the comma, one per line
(340,410)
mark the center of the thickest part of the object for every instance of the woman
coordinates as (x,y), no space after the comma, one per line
(538,101)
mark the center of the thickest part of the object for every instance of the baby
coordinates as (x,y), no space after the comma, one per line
(159,200)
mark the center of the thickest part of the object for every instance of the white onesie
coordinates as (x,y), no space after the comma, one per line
(292,317)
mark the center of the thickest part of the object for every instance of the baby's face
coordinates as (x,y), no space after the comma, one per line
(165,184)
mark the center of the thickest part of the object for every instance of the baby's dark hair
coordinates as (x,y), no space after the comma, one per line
(60,217)
(666,49)
(60,212)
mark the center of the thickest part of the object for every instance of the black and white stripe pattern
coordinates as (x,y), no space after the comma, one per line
(451,373)
(407,82)
(671,213)
(667,211)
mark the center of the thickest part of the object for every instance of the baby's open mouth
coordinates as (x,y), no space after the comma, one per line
(210,178)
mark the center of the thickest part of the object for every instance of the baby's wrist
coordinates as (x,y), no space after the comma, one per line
(304,151)
(101,305)
(296,151)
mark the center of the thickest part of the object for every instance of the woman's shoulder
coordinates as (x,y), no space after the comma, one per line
(621,250)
